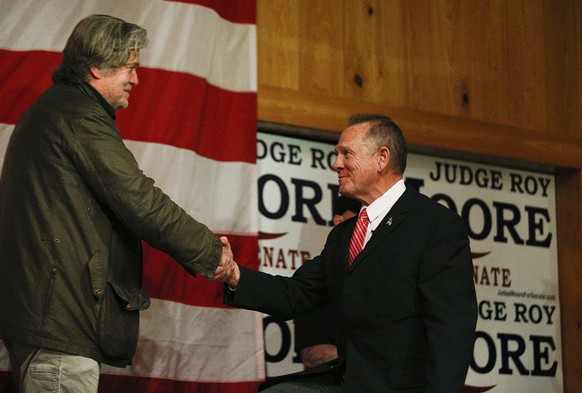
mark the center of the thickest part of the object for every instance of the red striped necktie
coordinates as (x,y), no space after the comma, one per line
(359,235)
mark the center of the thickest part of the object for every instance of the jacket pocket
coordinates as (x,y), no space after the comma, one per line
(118,312)
(118,323)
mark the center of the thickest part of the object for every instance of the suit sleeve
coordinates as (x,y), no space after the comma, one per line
(283,297)
(449,305)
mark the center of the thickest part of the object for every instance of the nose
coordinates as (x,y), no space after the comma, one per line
(134,80)
(337,164)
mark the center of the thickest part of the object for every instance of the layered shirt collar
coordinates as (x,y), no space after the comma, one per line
(378,209)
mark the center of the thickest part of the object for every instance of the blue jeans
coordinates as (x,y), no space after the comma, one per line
(43,370)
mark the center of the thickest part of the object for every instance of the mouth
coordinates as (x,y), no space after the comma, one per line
(342,181)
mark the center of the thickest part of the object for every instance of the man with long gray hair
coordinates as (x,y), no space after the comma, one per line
(74,207)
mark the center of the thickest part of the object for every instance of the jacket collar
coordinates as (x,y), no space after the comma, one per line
(91,91)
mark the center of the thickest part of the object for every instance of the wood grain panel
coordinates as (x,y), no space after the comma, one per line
(563,64)
(508,62)
(278,43)
(569,208)
(322,50)
(287,106)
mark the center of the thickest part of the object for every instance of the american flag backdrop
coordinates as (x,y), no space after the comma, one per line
(191,123)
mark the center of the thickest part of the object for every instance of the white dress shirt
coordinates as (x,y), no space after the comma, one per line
(378,209)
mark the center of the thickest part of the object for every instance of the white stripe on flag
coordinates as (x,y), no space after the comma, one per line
(208,190)
(214,344)
(220,51)
(5,132)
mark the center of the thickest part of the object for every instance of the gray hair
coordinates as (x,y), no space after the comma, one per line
(101,41)
(384,132)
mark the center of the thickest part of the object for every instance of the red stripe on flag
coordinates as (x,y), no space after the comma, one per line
(110,383)
(165,279)
(122,384)
(241,11)
(185,111)
(23,77)
(167,107)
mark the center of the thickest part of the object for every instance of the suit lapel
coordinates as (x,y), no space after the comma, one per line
(389,223)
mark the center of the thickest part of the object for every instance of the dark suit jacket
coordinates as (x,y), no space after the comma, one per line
(314,328)
(406,310)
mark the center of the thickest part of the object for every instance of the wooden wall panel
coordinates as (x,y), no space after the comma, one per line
(278,44)
(322,52)
(506,62)
(569,201)
(495,80)
(563,64)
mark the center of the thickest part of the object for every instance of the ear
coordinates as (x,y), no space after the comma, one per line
(383,158)
(95,73)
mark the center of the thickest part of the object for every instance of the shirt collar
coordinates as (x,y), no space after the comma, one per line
(381,206)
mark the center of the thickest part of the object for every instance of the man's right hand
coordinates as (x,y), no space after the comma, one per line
(227,270)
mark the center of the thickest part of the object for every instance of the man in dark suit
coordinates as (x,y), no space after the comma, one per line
(405,306)
(315,336)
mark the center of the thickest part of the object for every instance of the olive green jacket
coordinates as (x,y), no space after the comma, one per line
(74,207)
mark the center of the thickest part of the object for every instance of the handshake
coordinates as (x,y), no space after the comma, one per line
(227,270)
